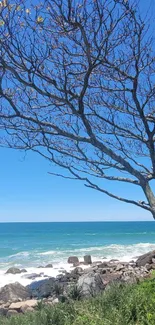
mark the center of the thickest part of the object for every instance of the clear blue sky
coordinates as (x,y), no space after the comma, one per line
(29,193)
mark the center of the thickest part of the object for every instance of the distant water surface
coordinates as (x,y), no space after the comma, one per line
(34,244)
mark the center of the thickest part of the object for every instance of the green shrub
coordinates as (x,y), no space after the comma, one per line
(119,305)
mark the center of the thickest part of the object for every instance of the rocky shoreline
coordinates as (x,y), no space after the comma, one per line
(86,279)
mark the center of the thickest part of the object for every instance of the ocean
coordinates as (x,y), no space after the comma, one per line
(29,245)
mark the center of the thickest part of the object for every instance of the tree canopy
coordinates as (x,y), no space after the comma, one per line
(77,86)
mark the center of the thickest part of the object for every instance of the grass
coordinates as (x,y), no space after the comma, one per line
(119,305)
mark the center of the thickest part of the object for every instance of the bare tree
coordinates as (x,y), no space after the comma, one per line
(77,86)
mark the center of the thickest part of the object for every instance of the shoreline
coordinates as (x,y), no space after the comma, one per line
(45,273)
(82,280)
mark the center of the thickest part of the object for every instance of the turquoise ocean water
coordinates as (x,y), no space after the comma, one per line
(34,244)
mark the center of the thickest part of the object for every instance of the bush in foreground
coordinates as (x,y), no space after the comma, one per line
(119,305)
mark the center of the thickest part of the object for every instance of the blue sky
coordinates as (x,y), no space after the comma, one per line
(29,193)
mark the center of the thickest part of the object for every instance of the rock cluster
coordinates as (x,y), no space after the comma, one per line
(79,283)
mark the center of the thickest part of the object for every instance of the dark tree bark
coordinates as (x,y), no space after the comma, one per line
(77,87)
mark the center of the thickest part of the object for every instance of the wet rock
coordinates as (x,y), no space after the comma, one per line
(23,271)
(13,270)
(96,263)
(62,271)
(32,276)
(145,258)
(73,259)
(13,292)
(49,265)
(77,264)
(90,284)
(87,259)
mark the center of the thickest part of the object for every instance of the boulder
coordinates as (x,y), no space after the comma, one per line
(110,278)
(32,276)
(90,284)
(43,288)
(150,267)
(87,259)
(23,271)
(49,265)
(28,303)
(119,267)
(104,265)
(13,292)
(145,258)
(26,309)
(78,270)
(73,259)
(55,301)
(11,313)
(130,279)
(13,270)
(3,310)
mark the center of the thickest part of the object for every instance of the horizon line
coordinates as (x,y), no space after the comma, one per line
(76,221)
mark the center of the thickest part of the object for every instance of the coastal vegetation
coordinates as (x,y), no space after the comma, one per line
(118,305)
(77,87)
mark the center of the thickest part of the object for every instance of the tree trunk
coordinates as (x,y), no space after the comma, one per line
(150,197)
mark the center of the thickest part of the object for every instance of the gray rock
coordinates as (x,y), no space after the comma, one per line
(49,265)
(96,263)
(73,259)
(43,288)
(90,284)
(145,259)
(32,276)
(78,270)
(87,259)
(40,267)
(3,310)
(104,265)
(150,267)
(14,292)
(13,270)
(26,309)
(111,277)
(119,267)
(11,313)
(23,271)
(130,279)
